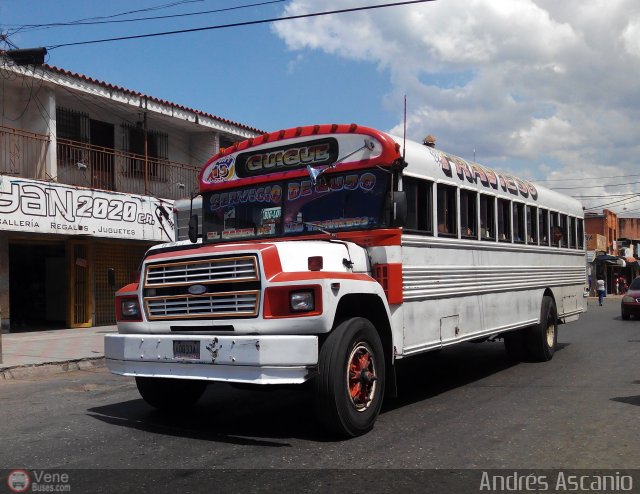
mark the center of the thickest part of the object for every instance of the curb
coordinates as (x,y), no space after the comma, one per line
(50,368)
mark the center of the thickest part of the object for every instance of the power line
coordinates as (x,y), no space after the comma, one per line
(586,178)
(594,186)
(86,22)
(239,24)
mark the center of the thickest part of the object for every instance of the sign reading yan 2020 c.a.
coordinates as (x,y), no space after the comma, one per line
(47,207)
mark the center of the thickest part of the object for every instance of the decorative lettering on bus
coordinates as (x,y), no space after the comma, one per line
(269,194)
(220,171)
(365,181)
(290,157)
(475,173)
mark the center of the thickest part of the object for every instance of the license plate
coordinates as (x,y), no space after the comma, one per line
(186,349)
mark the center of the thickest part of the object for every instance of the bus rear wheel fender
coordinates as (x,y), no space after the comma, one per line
(350,383)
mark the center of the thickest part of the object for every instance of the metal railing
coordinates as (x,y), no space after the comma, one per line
(23,154)
(86,165)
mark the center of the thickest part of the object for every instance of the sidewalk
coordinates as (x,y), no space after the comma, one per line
(37,353)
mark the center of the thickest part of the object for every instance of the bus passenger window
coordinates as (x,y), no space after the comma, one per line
(504,220)
(419,205)
(532,224)
(468,214)
(543,223)
(487,217)
(447,224)
(572,233)
(556,230)
(580,234)
(518,222)
(564,230)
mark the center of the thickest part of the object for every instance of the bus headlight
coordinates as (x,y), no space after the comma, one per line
(301,301)
(129,309)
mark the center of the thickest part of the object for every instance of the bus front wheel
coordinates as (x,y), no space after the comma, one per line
(351,378)
(170,395)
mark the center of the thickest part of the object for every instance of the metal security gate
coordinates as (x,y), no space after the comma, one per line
(116,266)
(80,306)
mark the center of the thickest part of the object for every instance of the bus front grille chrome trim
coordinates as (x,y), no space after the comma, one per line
(228,304)
(222,270)
(215,287)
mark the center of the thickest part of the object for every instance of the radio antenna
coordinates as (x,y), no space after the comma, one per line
(404,135)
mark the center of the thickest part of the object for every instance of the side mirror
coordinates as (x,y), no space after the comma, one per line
(398,208)
(193,228)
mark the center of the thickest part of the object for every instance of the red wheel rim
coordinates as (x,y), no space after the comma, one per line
(361,377)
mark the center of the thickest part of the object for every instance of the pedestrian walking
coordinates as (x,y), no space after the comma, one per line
(601,290)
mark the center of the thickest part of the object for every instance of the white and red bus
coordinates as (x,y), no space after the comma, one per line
(330,252)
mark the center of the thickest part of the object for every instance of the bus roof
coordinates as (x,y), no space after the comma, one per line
(289,153)
(441,167)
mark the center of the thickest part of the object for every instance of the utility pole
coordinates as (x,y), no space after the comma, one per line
(146,151)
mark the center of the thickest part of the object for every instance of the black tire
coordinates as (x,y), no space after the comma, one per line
(348,403)
(170,395)
(542,338)
(515,345)
(625,315)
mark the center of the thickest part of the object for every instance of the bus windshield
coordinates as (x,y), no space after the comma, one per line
(339,202)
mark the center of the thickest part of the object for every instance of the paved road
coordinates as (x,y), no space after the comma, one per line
(467,407)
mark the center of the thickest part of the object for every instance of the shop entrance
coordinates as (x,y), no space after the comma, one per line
(37,286)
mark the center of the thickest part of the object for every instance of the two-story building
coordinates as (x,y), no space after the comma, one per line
(88,175)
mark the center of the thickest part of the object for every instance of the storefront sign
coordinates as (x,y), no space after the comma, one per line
(46,207)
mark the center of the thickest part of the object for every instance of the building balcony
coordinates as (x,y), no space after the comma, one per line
(28,155)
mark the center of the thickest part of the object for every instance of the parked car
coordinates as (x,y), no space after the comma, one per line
(630,304)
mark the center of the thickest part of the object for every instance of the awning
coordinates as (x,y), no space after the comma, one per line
(613,260)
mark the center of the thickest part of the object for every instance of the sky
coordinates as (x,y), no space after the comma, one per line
(547,90)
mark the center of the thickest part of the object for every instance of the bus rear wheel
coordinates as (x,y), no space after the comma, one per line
(542,338)
(351,378)
(170,395)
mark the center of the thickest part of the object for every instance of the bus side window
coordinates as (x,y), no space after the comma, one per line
(572,233)
(556,231)
(504,220)
(447,224)
(487,217)
(518,222)
(564,228)
(580,234)
(419,204)
(468,214)
(532,224)
(543,223)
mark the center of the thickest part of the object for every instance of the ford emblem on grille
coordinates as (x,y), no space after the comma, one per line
(197,289)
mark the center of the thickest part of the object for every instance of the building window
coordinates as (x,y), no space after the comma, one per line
(487,217)
(504,220)
(156,156)
(419,205)
(72,125)
(468,214)
(447,224)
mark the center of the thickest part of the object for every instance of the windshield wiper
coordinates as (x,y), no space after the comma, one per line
(314,173)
